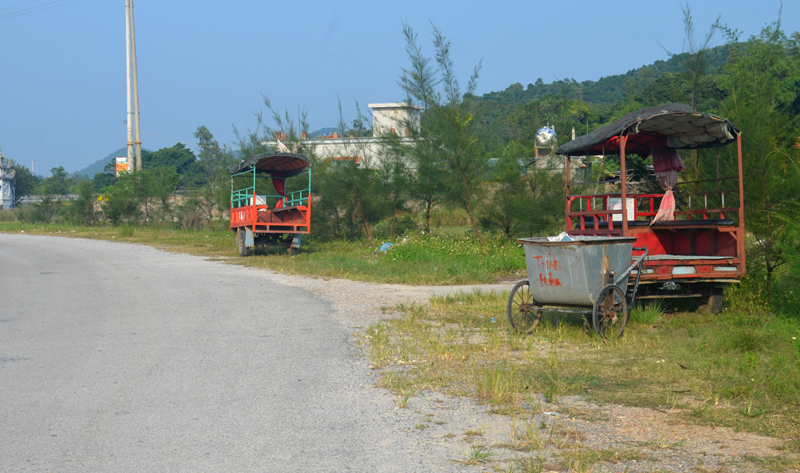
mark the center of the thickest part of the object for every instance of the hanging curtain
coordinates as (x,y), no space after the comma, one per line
(666,164)
(279,182)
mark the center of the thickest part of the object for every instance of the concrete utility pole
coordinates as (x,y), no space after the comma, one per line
(136,94)
(128,76)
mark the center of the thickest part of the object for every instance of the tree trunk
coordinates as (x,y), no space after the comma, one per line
(474,224)
(428,217)
(469,209)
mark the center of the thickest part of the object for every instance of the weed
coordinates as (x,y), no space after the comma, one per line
(777,464)
(473,433)
(476,454)
(673,401)
(749,411)
(585,459)
(747,340)
(647,314)
(405,395)
(125,231)
(421,426)
(535,403)
(528,465)
(497,384)
(700,409)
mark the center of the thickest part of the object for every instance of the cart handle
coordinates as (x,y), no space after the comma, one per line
(638,263)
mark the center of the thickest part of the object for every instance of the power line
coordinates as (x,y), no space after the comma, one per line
(19,5)
(33,9)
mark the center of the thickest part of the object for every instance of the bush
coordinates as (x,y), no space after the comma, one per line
(81,210)
(45,211)
(392,227)
(121,206)
(8,215)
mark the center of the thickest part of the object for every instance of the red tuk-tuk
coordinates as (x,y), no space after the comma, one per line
(699,249)
(270,201)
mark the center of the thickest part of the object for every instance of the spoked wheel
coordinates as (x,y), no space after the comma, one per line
(240,241)
(523,312)
(610,312)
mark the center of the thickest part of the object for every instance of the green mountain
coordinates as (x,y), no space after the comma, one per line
(606,90)
(100,164)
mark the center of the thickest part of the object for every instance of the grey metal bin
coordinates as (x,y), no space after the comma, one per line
(584,274)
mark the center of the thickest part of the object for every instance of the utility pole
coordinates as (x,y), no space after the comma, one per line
(128,76)
(136,94)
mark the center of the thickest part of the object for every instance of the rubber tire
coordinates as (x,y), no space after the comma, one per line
(518,311)
(619,299)
(241,234)
(711,302)
(292,251)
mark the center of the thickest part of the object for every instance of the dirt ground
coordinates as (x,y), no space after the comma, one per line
(643,440)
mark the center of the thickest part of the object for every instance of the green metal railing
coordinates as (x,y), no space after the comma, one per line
(296,198)
(244,197)
(241,197)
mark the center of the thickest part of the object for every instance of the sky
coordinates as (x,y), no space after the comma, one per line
(62,62)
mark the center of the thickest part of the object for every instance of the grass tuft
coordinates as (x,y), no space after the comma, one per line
(479,453)
(647,314)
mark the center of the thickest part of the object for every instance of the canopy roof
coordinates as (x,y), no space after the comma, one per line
(673,125)
(270,163)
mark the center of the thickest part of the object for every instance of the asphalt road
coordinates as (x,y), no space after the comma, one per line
(118,357)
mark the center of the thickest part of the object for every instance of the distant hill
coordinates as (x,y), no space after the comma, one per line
(321,131)
(606,90)
(99,165)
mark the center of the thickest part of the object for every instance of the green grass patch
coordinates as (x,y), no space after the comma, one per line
(450,257)
(731,369)
(439,259)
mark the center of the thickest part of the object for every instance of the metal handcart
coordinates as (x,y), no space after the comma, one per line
(584,275)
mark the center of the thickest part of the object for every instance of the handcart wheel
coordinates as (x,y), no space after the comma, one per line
(610,312)
(240,237)
(523,312)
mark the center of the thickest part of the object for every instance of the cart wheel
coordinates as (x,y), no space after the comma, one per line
(610,312)
(292,251)
(240,237)
(523,313)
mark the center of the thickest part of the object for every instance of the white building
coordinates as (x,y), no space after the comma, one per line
(7,181)
(387,118)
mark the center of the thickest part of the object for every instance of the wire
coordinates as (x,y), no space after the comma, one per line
(19,5)
(58,162)
(34,9)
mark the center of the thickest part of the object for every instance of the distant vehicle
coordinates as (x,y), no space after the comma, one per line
(701,250)
(270,201)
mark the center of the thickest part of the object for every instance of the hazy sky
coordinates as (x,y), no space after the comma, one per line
(62,68)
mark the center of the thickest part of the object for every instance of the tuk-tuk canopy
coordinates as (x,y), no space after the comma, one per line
(285,164)
(673,125)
